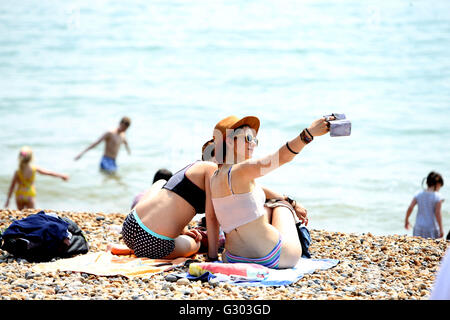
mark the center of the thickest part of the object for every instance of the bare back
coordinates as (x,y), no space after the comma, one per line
(167,213)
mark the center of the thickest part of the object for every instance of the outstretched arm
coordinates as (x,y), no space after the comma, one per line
(46,172)
(251,169)
(103,137)
(11,189)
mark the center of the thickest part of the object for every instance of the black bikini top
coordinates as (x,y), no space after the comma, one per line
(185,188)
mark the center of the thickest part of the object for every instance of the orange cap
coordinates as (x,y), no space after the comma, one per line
(233,122)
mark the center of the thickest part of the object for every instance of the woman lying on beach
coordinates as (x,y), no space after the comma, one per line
(156,228)
(255,232)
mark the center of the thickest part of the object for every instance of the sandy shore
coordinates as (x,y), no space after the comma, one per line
(371,267)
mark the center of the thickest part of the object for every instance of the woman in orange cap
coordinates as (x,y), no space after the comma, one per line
(255,232)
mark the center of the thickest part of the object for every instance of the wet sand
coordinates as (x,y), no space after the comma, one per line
(371,268)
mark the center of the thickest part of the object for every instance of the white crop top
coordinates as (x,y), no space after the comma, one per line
(236,210)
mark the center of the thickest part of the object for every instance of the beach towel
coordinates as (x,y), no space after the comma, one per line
(108,264)
(272,277)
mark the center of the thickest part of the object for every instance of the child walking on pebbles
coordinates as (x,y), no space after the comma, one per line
(24,178)
(429,218)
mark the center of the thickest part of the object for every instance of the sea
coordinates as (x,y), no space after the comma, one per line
(70,70)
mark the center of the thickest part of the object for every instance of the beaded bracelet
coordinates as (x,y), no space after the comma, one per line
(312,137)
(305,138)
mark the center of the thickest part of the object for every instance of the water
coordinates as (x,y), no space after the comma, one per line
(70,70)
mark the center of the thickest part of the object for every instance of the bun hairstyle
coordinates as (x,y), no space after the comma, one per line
(25,156)
(208,151)
(433,179)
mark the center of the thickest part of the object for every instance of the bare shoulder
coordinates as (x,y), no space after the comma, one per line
(205,168)
(208,166)
(250,169)
(108,134)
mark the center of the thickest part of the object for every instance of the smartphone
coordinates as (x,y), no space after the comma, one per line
(341,126)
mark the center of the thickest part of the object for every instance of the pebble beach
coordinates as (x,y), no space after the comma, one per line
(395,267)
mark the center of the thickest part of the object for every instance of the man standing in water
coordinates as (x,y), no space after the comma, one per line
(113,139)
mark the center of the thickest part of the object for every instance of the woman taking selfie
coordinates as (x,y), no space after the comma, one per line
(255,232)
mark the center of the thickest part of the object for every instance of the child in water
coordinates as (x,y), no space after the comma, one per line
(24,178)
(429,218)
(113,140)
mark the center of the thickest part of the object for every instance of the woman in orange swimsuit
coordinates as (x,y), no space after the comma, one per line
(24,179)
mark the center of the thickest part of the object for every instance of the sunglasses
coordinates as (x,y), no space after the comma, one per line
(249,138)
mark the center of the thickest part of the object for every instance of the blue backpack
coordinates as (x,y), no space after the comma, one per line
(41,237)
(305,240)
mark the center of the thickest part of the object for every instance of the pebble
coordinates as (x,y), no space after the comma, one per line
(371,268)
(183,281)
(214,282)
(171,278)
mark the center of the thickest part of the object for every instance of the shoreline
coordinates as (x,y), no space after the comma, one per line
(395,267)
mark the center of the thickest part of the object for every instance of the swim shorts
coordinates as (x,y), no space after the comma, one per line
(144,242)
(108,164)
